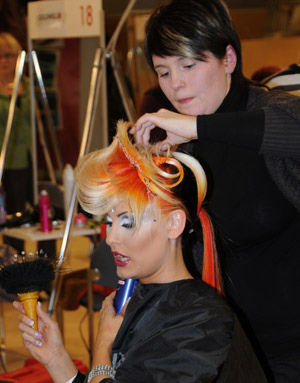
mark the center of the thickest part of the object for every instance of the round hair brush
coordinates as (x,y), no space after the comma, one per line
(27,279)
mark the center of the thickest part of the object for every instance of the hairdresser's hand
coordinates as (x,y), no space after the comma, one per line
(46,344)
(180,128)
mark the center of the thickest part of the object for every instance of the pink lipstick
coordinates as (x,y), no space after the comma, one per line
(120,260)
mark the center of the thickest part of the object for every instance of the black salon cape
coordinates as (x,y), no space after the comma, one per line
(182,332)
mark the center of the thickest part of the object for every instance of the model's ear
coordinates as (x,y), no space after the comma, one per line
(230,59)
(176,223)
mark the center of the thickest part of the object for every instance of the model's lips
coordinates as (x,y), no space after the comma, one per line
(185,100)
(120,260)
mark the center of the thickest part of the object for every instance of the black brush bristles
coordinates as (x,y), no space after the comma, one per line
(27,276)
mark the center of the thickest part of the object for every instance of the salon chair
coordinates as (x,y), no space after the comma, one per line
(88,288)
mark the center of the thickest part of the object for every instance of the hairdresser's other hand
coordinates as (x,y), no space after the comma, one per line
(180,128)
(46,344)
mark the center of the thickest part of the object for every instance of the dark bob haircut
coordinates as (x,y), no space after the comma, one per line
(191,28)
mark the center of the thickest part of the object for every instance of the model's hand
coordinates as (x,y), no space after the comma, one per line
(46,344)
(109,321)
(180,128)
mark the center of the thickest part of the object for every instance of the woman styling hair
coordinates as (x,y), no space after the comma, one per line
(248,140)
(175,327)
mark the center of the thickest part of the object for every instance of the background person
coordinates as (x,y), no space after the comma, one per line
(248,140)
(16,180)
(287,79)
(264,72)
(175,327)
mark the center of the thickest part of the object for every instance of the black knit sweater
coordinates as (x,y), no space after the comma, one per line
(250,150)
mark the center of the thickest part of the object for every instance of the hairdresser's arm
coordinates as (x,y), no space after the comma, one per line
(109,324)
(46,345)
(180,128)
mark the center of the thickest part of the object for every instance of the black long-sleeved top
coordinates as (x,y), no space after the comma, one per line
(250,150)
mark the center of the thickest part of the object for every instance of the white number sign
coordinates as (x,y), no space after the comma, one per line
(63,18)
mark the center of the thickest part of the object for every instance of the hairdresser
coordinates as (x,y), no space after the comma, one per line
(248,140)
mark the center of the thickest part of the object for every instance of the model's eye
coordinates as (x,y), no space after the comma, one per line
(108,221)
(127,221)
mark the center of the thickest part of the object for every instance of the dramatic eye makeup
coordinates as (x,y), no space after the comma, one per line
(125,220)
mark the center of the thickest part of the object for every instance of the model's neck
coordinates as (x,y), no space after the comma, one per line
(174,269)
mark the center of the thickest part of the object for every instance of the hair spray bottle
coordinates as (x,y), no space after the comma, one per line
(124,291)
(45,211)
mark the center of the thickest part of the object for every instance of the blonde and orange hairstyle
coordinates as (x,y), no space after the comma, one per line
(136,175)
(143,179)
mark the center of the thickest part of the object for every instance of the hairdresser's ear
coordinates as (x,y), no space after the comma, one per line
(230,59)
(176,223)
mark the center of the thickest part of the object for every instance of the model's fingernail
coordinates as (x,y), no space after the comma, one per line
(38,335)
(31,323)
(38,343)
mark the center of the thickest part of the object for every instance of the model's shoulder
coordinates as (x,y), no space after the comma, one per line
(196,293)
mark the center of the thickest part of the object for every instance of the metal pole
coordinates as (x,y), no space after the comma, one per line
(123,89)
(33,128)
(103,85)
(90,115)
(45,150)
(99,61)
(47,111)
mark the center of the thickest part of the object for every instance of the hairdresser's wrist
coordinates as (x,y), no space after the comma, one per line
(194,129)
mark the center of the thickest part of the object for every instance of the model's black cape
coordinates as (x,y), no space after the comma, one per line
(182,332)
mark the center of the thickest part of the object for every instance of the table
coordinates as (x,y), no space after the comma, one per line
(31,239)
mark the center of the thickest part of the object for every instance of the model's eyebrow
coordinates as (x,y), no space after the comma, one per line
(124,212)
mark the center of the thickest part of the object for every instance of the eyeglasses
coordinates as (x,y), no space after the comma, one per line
(8,56)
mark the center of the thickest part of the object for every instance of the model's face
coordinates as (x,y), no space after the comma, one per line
(193,87)
(142,252)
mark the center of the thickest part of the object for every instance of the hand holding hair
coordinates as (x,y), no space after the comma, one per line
(180,128)
(46,344)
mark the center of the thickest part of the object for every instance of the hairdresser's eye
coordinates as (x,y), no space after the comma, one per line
(189,66)
(187,63)
(127,221)
(163,74)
